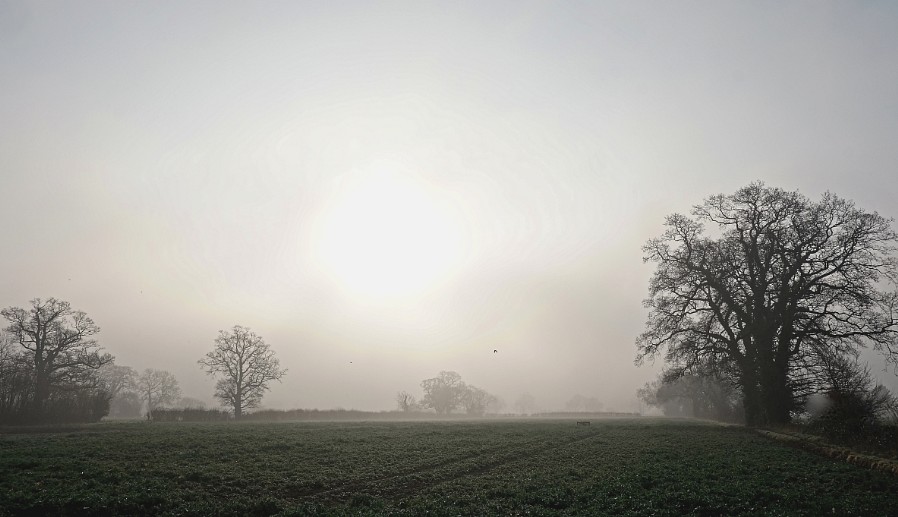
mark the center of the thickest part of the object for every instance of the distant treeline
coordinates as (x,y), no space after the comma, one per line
(190,415)
(322,415)
(583,414)
(288,415)
(280,415)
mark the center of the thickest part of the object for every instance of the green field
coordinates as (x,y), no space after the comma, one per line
(614,467)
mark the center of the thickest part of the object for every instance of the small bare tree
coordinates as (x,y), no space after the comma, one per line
(158,388)
(116,379)
(120,385)
(406,401)
(475,400)
(247,365)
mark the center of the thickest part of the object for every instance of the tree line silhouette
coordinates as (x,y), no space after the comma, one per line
(52,370)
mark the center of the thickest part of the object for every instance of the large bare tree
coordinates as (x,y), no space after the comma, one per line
(246,365)
(777,282)
(58,343)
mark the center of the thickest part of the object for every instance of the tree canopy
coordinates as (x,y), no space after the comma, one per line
(778,282)
(444,392)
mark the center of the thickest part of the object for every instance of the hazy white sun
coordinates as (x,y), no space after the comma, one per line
(387,235)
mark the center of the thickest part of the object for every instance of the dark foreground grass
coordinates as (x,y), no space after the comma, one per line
(613,467)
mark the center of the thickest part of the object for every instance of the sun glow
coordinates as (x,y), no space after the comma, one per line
(387,235)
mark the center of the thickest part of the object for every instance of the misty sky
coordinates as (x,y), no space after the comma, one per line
(411,185)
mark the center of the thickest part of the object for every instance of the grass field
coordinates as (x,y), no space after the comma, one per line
(613,467)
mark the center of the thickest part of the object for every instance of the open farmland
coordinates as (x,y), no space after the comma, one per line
(620,467)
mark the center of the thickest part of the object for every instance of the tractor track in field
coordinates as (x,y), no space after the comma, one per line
(809,443)
(386,486)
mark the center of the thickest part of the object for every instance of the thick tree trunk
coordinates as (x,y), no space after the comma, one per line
(752,404)
(776,396)
(768,402)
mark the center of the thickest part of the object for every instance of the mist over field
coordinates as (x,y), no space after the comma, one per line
(385,191)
